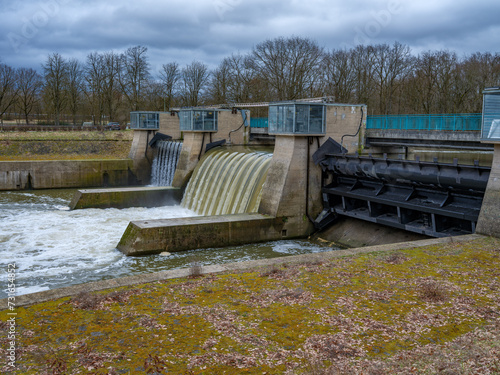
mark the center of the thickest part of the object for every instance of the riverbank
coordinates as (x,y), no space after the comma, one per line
(426,308)
(63,145)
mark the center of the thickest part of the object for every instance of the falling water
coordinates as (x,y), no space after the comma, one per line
(165,162)
(227,182)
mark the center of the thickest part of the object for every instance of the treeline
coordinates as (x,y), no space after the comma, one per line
(388,78)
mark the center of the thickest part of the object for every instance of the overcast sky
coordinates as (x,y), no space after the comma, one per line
(209,30)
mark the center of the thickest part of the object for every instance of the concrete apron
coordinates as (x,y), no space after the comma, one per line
(54,294)
(154,196)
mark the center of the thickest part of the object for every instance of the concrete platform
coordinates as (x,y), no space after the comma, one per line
(154,196)
(155,236)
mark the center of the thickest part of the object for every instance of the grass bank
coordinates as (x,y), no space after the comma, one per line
(427,310)
(64,145)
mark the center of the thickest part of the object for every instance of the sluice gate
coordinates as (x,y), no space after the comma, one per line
(431,198)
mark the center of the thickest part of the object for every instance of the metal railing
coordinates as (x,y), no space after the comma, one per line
(451,122)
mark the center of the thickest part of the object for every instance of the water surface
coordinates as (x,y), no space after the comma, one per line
(54,247)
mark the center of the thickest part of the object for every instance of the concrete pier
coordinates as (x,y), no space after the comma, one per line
(489,217)
(230,129)
(155,236)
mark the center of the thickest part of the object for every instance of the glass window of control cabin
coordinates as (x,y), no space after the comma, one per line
(134,120)
(153,120)
(289,112)
(301,118)
(209,120)
(185,120)
(316,120)
(273,116)
(282,118)
(197,120)
(142,120)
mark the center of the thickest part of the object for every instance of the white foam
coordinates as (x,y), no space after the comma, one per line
(54,247)
(47,240)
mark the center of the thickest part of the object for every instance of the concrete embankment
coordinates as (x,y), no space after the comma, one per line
(54,174)
(152,196)
(53,294)
(20,149)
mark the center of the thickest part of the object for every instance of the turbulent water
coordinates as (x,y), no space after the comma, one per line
(54,247)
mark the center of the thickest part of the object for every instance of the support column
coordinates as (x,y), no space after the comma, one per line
(142,155)
(193,148)
(291,188)
(489,217)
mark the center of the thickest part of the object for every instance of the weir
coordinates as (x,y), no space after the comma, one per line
(165,162)
(227,182)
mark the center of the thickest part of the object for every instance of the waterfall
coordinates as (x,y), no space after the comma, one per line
(165,162)
(227,182)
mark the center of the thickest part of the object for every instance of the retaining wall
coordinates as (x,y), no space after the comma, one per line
(54,174)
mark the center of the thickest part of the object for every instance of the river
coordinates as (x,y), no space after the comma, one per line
(54,247)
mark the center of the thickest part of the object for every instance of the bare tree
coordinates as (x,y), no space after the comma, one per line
(478,71)
(220,82)
(425,73)
(94,77)
(55,82)
(194,78)
(169,75)
(134,74)
(446,65)
(231,80)
(363,58)
(242,74)
(110,84)
(392,65)
(75,87)
(8,88)
(29,84)
(154,96)
(290,66)
(339,75)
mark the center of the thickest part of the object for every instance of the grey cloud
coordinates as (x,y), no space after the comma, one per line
(184,30)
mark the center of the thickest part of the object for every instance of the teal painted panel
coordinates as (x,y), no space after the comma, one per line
(259,122)
(452,122)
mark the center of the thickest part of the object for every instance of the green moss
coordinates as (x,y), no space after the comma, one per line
(373,305)
(64,145)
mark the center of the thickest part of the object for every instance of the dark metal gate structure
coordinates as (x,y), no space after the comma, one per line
(431,198)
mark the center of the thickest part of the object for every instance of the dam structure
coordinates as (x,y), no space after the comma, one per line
(289,188)
(318,173)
